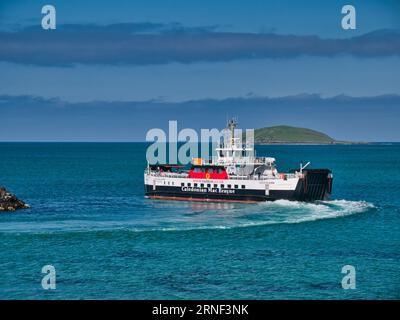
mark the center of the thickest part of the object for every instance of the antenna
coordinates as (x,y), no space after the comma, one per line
(232,123)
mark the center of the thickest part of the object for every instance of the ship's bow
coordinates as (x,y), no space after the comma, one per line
(316,184)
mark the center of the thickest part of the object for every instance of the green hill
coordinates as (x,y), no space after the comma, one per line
(287,134)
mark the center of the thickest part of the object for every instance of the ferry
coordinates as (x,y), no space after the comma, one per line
(236,175)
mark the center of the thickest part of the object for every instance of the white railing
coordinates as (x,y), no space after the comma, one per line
(255,177)
(238,160)
(166,174)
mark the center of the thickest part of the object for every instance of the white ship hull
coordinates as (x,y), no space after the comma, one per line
(171,186)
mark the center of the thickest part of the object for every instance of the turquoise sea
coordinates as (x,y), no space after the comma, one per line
(90,220)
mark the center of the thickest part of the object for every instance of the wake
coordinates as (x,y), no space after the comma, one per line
(172,216)
(296,212)
(269,213)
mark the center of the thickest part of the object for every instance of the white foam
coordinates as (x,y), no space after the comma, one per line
(306,211)
(283,212)
(238,216)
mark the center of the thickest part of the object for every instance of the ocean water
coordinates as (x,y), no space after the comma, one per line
(90,220)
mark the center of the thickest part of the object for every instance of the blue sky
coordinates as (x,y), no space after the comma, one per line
(283,16)
(174,53)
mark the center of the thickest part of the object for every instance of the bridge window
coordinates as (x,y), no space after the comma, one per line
(189,184)
(208,185)
(222,186)
(229,186)
(202,185)
(236,186)
(243,186)
(182,184)
(215,186)
(195,184)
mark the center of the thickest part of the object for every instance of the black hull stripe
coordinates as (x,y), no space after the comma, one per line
(186,198)
(240,195)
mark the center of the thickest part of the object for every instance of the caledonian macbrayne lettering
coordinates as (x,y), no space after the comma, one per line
(210,190)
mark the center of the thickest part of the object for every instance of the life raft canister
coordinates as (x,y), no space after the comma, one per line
(207,175)
(197,161)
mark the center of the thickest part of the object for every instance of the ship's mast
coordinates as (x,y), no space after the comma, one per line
(232,153)
(232,123)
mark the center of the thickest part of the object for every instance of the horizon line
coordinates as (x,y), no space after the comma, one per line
(140,141)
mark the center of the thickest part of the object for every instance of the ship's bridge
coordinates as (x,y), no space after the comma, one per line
(238,159)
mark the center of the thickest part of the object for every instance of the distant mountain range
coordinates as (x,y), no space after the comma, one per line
(293,135)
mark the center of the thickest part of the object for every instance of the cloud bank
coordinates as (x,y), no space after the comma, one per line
(27,118)
(149,43)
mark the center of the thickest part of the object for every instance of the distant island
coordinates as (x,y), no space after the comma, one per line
(294,135)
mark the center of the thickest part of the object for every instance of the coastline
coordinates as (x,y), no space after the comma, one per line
(319,143)
(256,143)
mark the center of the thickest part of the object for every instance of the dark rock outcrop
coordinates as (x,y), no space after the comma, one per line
(9,202)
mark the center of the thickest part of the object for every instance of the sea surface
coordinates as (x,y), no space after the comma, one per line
(90,220)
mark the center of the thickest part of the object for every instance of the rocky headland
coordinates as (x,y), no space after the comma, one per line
(9,202)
